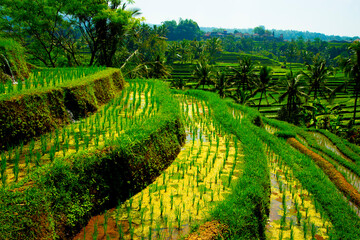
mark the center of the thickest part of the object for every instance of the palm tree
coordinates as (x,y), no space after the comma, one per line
(264,85)
(293,92)
(172,52)
(351,67)
(197,48)
(316,76)
(185,51)
(213,47)
(244,75)
(221,82)
(243,97)
(203,73)
(158,69)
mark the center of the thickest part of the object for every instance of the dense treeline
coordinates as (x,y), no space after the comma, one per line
(290,34)
(186,29)
(59,33)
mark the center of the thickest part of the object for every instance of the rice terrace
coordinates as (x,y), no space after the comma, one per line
(112,128)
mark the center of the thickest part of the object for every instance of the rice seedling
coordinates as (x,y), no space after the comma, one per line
(49,78)
(294,201)
(96,232)
(190,179)
(3,169)
(105,225)
(305,229)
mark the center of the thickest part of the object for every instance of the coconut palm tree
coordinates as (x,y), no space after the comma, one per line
(243,97)
(203,72)
(213,47)
(264,85)
(316,76)
(294,92)
(185,51)
(172,52)
(158,69)
(221,82)
(244,75)
(197,48)
(351,67)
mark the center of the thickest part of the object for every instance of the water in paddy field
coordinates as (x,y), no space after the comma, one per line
(8,64)
(293,212)
(103,126)
(323,141)
(200,176)
(71,116)
(351,177)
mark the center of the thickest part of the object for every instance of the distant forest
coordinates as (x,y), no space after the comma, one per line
(189,29)
(288,34)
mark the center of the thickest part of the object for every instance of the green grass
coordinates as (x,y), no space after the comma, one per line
(47,78)
(71,187)
(245,210)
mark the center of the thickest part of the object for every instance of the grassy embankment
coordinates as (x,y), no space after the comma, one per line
(59,197)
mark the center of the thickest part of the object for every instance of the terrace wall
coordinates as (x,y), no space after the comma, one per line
(29,115)
(59,198)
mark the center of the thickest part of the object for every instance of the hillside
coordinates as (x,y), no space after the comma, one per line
(153,163)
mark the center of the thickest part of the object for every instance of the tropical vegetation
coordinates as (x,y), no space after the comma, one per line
(111,128)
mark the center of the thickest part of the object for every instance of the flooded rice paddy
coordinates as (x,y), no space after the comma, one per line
(201,175)
(294,214)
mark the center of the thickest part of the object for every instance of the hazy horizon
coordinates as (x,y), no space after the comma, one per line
(330,17)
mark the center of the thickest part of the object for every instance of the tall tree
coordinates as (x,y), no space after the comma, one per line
(244,75)
(351,67)
(52,29)
(294,93)
(259,30)
(172,53)
(203,72)
(185,51)
(221,82)
(317,75)
(36,24)
(103,24)
(197,48)
(186,29)
(213,48)
(264,85)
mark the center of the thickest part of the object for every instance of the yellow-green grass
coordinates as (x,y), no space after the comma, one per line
(332,201)
(47,78)
(183,195)
(294,214)
(134,104)
(72,188)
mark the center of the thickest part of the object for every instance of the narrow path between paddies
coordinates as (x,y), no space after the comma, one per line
(134,104)
(294,214)
(335,176)
(183,195)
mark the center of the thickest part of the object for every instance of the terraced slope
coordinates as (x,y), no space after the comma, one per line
(155,165)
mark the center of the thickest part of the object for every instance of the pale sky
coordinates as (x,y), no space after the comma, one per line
(331,17)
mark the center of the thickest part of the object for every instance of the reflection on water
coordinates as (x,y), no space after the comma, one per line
(323,141)
(293,211)
(201,175)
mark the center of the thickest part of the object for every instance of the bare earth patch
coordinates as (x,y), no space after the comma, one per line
(208,231)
